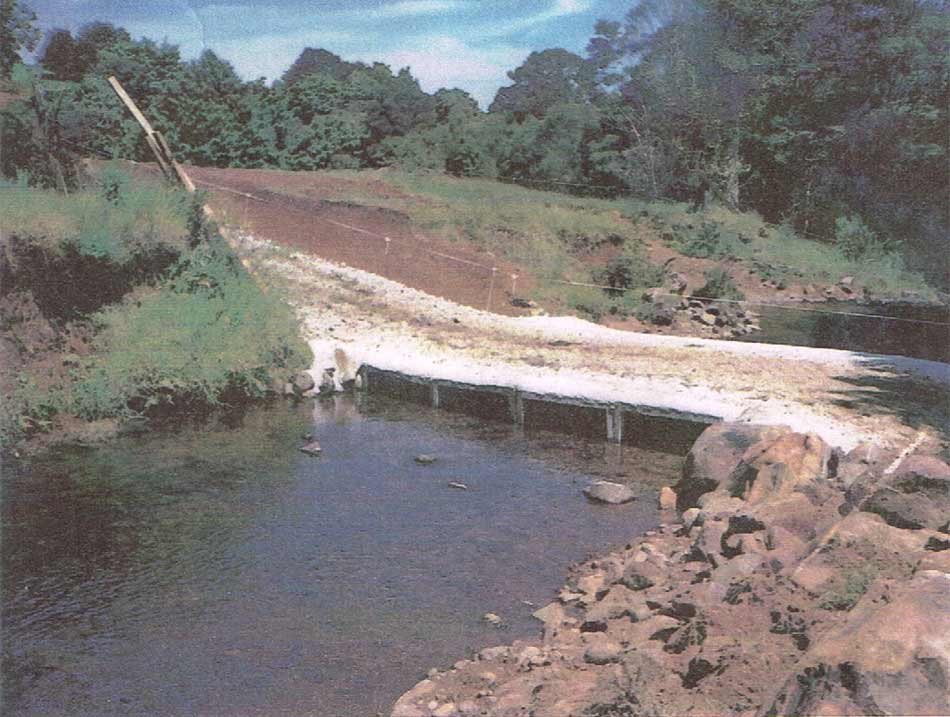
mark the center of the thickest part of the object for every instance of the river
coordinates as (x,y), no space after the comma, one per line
(215,569)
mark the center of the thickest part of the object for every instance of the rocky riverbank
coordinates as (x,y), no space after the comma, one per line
(791,578)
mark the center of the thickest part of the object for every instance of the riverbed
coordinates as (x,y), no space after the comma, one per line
(215,569)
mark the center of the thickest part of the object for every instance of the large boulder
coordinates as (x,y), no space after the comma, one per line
(715,455)
(888,658)
(775,467)
(916,496)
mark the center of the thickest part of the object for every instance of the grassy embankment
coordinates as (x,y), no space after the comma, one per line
(597,240)
(120,302)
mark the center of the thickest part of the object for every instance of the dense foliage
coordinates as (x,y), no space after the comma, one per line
(824,114)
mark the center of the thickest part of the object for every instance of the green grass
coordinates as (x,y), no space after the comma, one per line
(549,233)
(142,217)
(193,333)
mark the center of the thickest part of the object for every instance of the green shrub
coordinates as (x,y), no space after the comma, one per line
(856,241)
(853,585)
(719,285)
(209,334)
(630,270)
(707,241)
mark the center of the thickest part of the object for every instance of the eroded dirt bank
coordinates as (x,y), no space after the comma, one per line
(793,580)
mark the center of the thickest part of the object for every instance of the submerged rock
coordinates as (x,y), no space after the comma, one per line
(606,492)
(312,448)
(425,459)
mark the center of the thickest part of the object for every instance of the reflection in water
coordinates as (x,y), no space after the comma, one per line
(218,570)
(869,334)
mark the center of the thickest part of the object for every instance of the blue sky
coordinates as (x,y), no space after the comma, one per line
(447,43)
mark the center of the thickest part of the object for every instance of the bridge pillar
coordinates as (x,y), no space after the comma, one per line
(614,424)
(516,405)
(434,388)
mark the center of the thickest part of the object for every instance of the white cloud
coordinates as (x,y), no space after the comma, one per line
(446,61)
(560,8)
(409,8)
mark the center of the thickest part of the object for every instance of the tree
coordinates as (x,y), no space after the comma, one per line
(545,79)
(18,31)
(59,56)
(318,61)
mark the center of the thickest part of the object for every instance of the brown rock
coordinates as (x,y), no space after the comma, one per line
(667,498)
(603,653)
(854,536)
(916,496)
(888,658)
(804,455)
(715,455)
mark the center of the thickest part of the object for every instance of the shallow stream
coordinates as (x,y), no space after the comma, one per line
(217,570)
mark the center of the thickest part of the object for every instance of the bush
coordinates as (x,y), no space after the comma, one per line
(719,285)
(708,241)
(629,270)
(207,336)
(856,241)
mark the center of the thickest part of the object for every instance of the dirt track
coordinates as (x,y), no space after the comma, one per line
(353,234)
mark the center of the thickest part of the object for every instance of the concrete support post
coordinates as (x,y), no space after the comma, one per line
(434,388)
(516,403)
(614,424)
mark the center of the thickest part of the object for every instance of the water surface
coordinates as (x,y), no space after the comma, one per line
(216,570)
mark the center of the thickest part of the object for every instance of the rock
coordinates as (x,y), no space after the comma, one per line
(847,281)
(302,382)
(458,486)
(641,575)
(425,459)
(689,517)
(708,318)
(530,657)
(667,500)
(851,537)
(327,384)
(889,658)
(446,710)
(552,615)
(491,618)
(916,496)
(607,492)
(776,467)
(603,653)
(522,303)
(490,654)
(714,456)
(312,448)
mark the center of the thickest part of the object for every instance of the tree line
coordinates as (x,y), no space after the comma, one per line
(820,113)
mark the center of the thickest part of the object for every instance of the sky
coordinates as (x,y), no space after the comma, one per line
(469,44)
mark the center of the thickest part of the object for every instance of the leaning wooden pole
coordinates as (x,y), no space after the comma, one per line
(156,140)
(171,168)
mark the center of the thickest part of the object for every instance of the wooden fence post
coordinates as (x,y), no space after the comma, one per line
(156,140)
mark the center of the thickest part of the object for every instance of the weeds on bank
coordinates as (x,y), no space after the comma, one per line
(189,331)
